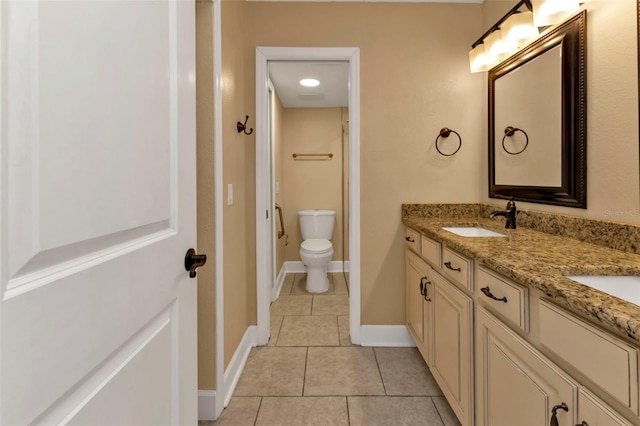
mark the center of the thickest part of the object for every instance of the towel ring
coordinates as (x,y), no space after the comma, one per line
(445,132)
(510,131)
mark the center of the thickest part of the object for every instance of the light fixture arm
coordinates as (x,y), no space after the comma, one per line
(513,11)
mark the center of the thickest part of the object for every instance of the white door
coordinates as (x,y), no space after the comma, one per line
(97,191)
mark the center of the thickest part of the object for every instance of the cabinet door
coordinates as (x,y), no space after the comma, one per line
(593,412)
(415,273)
(515,384)
(452,343)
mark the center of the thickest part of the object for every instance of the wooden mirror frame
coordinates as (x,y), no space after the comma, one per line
(572,36)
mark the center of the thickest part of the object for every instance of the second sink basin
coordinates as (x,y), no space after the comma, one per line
(472,231)
(624,287)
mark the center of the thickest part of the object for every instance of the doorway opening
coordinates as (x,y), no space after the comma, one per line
(347,200)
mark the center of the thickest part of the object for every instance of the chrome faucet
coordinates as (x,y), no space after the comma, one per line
(510,213)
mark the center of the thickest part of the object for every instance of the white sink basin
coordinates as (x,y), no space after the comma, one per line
(624,287)
(472,231)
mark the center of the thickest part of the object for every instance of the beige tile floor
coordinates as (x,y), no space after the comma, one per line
(310,374)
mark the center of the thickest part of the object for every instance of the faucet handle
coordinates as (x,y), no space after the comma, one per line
(511,204)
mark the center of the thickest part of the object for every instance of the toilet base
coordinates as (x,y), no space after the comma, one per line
(317,280)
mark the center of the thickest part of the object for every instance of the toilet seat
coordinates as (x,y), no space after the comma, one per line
(316,246)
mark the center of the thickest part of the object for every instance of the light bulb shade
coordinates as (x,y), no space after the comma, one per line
(519,29)
(479,60)
(551,12)
(497,48)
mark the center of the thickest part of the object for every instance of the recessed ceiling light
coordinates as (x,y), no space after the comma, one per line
(309,82)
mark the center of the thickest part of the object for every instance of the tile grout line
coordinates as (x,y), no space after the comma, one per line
(304,375)
(379,372)
(279,331)
(255,421)
(437,411)
(348,414)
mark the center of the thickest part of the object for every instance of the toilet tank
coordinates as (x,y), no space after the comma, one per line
(316,223)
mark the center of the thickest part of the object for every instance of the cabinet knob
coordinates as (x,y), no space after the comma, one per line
(554,416)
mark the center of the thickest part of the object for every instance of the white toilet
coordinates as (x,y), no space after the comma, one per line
(316,250)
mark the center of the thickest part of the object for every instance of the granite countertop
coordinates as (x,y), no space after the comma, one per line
(541,261)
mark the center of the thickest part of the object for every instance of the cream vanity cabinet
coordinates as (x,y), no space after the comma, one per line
(415,281)
(452,344)
(522,360)
(440,320)
(516,385)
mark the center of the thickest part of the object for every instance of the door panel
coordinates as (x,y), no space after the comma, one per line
(97,314)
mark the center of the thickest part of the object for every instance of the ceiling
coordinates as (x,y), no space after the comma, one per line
(333,90)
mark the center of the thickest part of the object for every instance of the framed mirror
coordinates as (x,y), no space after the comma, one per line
(537,120)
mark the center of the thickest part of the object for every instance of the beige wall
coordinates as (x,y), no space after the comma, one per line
(414,80)
(278,154)
(612,112)
(204,135)
(239,169)
(314,183)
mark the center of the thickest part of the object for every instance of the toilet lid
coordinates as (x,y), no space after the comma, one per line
(316,245)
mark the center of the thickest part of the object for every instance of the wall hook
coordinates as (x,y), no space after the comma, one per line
(242,127)
(444,133)
(510,131)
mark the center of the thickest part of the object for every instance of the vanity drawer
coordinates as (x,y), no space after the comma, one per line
(506,299)
(457,267)
(606,360)
(412,237)
(431,251)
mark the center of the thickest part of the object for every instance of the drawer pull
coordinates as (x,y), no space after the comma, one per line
(448,265)
(487,292)
(411,240)
(554,416)
(423,288)
(583,424)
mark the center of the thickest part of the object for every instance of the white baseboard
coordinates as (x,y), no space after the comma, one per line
(385,335)
(275,292)
(206,405)
(298,267)
(239,360)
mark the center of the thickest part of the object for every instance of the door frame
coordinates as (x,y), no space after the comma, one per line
(263,184)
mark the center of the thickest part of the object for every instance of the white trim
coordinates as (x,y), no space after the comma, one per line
(386,335)
(354,197)
(238,361)
(208,401)
(264,292)
(263,187)
(219,203)
(207,405)
(275,292)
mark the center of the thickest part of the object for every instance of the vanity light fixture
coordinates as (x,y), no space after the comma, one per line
(517,29)
(509,34)
(309,82)
(551,12)
(498,47)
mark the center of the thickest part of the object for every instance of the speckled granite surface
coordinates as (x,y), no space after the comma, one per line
(614,235)
(539,260)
